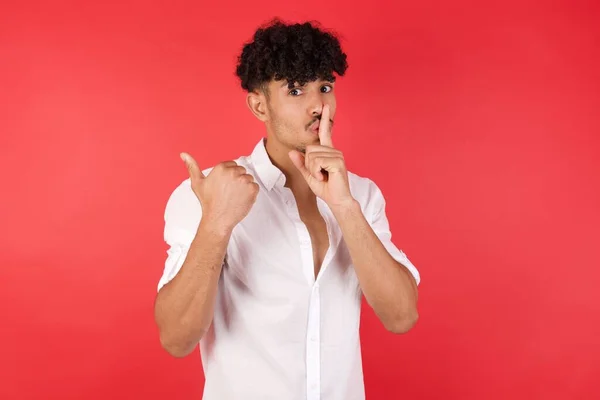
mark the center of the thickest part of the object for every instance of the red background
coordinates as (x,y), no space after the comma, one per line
(480,124)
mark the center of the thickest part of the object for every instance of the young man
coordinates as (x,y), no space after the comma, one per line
(270,254)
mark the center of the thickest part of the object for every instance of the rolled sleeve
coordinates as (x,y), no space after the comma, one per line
(182,217)
(380,224)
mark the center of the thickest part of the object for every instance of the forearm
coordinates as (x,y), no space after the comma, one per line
(184,306)
(387,285)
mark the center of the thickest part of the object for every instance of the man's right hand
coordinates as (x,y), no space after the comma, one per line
(226,195)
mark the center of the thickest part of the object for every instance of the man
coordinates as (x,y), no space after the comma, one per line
(270,254)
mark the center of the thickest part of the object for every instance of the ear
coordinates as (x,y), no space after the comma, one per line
(257,103)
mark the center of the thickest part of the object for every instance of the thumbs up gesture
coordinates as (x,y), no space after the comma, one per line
(226,194)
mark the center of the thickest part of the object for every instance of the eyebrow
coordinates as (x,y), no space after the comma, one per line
(294,83)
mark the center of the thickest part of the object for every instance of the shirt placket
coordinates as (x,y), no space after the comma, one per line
(313,339)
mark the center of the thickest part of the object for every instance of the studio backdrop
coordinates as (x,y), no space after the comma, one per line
(479,122)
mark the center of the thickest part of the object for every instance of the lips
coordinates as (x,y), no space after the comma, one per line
(315,126)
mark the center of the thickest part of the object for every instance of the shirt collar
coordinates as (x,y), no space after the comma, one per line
(268,173)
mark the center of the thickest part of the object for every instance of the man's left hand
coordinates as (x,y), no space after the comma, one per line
(324,168)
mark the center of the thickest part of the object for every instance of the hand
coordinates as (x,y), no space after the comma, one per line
(323,167)
(226,195)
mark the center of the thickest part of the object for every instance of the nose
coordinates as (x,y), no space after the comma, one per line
(316,107)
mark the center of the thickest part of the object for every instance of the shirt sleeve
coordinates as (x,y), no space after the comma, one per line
(381,227)
(182,217)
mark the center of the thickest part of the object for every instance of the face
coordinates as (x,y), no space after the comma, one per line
(292,115)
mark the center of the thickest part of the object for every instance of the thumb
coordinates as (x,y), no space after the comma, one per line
(192,166)
(298,161)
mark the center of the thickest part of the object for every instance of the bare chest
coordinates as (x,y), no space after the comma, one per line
(317,229)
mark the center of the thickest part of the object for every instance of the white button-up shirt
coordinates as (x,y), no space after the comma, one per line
(277,332)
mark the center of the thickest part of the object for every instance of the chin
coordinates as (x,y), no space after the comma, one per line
(303,143)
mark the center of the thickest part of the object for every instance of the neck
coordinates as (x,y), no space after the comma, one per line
(278,154)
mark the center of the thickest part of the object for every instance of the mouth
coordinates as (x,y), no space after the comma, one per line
(314,127)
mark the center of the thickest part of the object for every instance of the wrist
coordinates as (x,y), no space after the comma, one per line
(346,208)
(215,227)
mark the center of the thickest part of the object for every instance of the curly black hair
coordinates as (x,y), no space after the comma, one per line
(300,52)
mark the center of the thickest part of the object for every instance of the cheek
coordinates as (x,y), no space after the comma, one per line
(332,107)
(284,124)
(290,118)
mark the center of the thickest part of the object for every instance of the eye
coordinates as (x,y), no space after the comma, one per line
(295,92)
(328,88)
